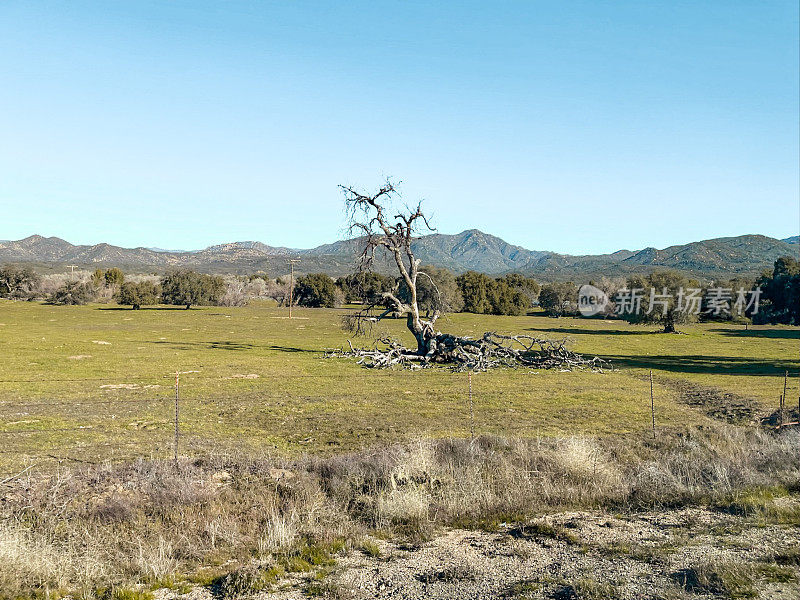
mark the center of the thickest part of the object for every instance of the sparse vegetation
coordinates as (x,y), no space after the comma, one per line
(186,518)
(73,293)
(232,508)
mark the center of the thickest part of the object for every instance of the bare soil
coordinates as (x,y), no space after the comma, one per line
(686,553)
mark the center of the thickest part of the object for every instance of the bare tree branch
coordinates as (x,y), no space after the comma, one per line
(378,232)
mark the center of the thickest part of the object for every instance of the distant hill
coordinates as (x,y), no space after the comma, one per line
(468,250)
(793,240)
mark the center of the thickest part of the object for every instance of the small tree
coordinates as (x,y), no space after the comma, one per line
(663,299)
(98,278)
(315,290)
(236,291)
(558,298)
(526,285)
(365,286)
(73,293)
(114,277)
(780,293)
(17,282)
(437,291)
(507,300)
(137,295)
(475,291)
(187,288)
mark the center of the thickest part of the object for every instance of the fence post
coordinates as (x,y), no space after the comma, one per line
(471,408)
(177,399)
(177,384)
(652,405)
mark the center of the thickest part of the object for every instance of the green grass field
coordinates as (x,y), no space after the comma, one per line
(95,382)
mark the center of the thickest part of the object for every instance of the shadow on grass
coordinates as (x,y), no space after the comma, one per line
(144,308)
(293,349)
(715,365)
(237,346)
(581,331)
(210,345)
(775,334)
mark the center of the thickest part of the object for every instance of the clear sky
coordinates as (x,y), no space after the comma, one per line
(578,127)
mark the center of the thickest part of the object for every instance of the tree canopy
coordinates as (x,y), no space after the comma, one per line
(512,294)
(189,288)
(780,299)
(475,292)
(114,276)
(558,297)
(437,290)
(315,290)
(73,293)
(137,295)
(365,286)
(665,298)
(17,282)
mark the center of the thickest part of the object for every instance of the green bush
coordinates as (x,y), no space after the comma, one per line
(558,298)
(315,290)
(185,288)
(114,277)
(137,295)
(73,293)
(17,282)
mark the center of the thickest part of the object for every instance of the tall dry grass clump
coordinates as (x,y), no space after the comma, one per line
(147,521)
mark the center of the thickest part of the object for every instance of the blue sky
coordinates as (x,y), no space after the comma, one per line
(579,127)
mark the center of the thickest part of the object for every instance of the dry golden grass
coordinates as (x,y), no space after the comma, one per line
(150,522)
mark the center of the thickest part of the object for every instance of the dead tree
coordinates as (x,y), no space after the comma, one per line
(379,230)
(394,234)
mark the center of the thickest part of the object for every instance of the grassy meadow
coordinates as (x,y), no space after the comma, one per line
(86,383)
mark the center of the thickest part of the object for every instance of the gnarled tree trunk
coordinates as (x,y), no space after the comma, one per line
(394,235)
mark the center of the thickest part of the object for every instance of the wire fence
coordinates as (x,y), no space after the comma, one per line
(38,433)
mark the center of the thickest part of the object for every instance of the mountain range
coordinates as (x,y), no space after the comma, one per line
(468,250)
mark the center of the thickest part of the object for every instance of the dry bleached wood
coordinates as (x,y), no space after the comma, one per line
(468,354)
(370,217)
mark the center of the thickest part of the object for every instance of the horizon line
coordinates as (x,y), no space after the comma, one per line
(161,250)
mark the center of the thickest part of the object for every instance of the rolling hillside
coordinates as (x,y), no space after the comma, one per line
(468,250)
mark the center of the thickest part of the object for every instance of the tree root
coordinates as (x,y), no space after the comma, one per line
(467,354)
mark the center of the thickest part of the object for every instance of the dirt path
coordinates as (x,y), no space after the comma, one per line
(717,404)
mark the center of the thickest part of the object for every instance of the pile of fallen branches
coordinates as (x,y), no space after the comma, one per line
(468,354)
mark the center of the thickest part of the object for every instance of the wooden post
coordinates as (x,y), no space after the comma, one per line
(471,408)
(652,405)
(177,399)
(177,383)
(291,284)
(291,290)
(784,397)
